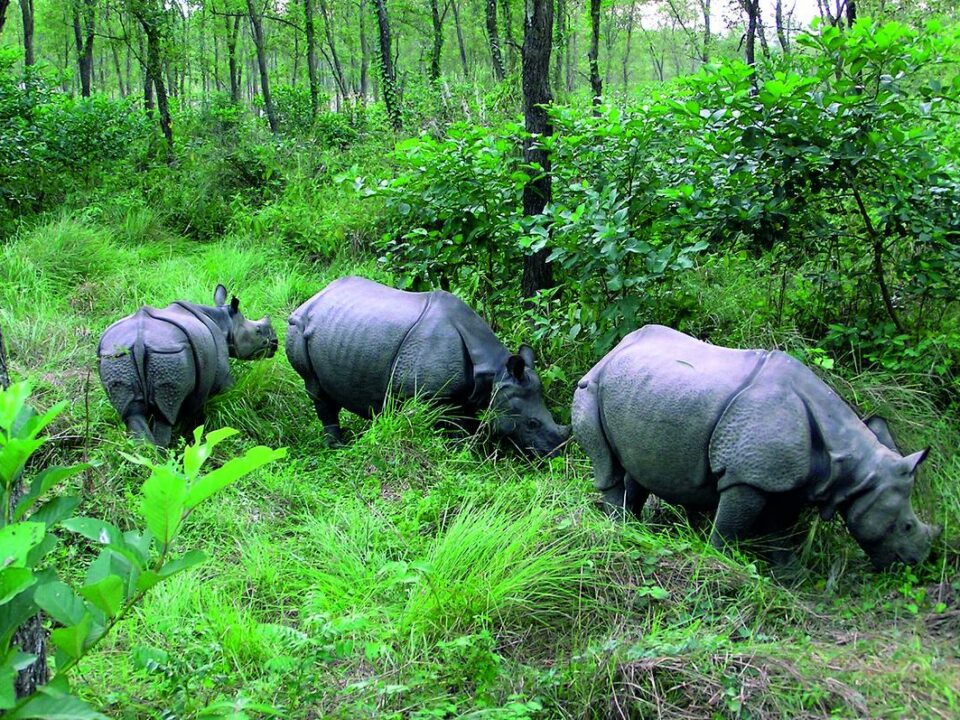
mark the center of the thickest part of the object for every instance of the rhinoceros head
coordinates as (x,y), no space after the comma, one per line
(518,410)
(247,339)
(882,519)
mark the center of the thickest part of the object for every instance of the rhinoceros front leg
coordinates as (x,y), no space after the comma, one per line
(737,514)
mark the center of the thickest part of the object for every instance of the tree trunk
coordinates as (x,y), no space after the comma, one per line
(233,33)
(851,12)
(507,15)
(437,40)
(781,31)
(257,28)
(705,8)
(559,42)
(334,60)
(463,50)
(118,68)
(494,37)
(83,31)
(4,4)
(29,637)
(155,72)
(388,78)
(628,45)
(311,57)
(537,37)
(593,54)
(752,8)
(364,51)
(26,10)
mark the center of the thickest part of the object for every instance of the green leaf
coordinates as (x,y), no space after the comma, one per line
(108,594)
(185,562)
(60,602)
(13,581)
(195,455)
(43,482)
(13,455)
(17,540)
(162,506)
(96,530)
(12,402)
(72,640)
(230,471)
(55,510)
(51,703)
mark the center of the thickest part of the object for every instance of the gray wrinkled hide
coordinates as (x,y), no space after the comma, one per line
(357,341)
(159,366)
(752,435)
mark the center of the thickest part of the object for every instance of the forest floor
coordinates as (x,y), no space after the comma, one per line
(417,573)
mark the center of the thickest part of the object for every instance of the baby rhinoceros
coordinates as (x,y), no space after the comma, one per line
(357,341)
(753,436)
(159,366)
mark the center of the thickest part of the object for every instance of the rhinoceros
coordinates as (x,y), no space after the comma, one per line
(751,435)
(357,341)
(159,366)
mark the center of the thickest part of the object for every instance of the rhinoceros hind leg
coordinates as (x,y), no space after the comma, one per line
(138,427)
(608,473)
(163,432)
(329,414)
(740,507)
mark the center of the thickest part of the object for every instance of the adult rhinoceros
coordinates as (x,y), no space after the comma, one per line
(753,435)
(357,341)
(159,366)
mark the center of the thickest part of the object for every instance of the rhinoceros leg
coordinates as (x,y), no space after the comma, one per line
(163,432)
(328,412)
(740,507)
(137,425)
(618,492)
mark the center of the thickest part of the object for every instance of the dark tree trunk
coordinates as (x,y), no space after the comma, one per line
(705,9)
(388,78)
(364,51)
(4,4)
(83,31)
(437,40)
(631,17)
(752,8)
(593,54)
(233,34)
(26,11)
(311,57)
(118,68)
(559,41)
(507,14)
(537,37)
(781,30)
(147,79)
(334,60)
(149,19)
(494,37)
(851,12)
(463,50)
(257,28)
(29,637)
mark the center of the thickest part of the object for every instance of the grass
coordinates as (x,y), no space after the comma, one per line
(418,573)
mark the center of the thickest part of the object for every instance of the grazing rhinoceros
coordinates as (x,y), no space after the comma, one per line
(159,366)
(753,435)
(356,341)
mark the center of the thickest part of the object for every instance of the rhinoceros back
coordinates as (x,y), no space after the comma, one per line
(348,337)
(660,395)
(161,358)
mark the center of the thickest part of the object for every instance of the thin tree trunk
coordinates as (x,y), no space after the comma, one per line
(83,32)
(537,37)
(4,4)
(463,50)
(752,9)
(569,53)
(494,37)
(507,14)
(593,54)
(233,33)
(257,28)
(388,78)
(705,8)
(26,11)
(119,68)
(851,12)
(559,41)
(334,59)
(781,31)
(628,45)
(311,57)
(437,48)
(364,51)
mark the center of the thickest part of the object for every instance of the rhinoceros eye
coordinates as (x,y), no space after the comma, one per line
(908,526)
(533,423)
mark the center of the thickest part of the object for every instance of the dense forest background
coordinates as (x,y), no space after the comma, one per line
(757,174)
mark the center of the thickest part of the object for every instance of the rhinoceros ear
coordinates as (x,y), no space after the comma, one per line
(913,461)
(515,366)
(234,304)
(878,426)
(220,295)
(526,352)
